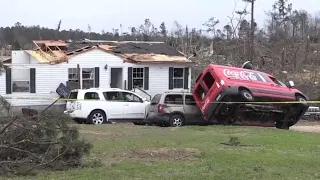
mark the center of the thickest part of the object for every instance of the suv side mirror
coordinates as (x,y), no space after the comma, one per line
(291,84)
(144,99)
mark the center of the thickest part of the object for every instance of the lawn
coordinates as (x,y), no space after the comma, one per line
(195,152)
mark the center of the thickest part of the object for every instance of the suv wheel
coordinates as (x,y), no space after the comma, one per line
(97,117)
(176,121)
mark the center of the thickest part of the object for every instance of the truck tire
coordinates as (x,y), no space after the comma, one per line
(97,117)
(247,95)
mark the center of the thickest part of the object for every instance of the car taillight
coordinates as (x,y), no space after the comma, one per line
(161,107)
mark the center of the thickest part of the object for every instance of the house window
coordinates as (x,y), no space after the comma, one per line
(178,78)
(73,75)
(87,78)
(137,77)
(20,80)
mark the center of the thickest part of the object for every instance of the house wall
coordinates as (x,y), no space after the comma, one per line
(48,77)
(2,83)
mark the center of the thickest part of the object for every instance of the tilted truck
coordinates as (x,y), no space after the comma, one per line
(243,96)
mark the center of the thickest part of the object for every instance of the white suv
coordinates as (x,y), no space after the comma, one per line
(97,106)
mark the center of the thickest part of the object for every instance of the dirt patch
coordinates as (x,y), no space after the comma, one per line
(307,123)
(314,128)
(164,154)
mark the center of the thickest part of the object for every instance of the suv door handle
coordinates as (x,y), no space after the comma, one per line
(126,104)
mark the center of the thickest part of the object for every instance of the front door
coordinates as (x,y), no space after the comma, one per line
(134,108)
(114,105)
(116,78)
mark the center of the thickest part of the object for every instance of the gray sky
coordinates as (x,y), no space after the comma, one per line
(108,14)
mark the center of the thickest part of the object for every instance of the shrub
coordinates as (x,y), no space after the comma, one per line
(39,142)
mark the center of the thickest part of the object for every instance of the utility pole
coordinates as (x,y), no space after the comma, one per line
(252,31)
(251,44)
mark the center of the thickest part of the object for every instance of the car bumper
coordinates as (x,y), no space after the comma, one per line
(74,114)
(158,119)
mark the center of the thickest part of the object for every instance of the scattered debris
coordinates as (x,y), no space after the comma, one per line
(234,141)
(165,154)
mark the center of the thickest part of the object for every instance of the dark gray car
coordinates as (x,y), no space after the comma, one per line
(173,109)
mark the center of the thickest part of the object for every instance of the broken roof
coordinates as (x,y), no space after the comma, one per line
(50,43)
(128,47)
(132,51)
(53,52)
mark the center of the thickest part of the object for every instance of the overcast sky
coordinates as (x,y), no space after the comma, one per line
(108,14)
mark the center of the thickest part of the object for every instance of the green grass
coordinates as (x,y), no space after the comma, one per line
(195,152)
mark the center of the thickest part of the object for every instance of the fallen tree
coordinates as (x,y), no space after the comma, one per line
(39,142)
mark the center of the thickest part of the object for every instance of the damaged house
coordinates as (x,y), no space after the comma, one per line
(148,68)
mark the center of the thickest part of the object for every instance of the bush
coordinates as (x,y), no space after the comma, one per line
(39,142)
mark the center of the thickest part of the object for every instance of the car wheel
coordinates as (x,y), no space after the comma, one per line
(97,117)
(247,95)
(176,121)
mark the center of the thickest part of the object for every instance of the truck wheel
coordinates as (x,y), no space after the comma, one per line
(97,117)
(302,100)
(247,95)
(176,120)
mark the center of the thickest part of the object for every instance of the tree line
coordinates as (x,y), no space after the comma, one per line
(289,40)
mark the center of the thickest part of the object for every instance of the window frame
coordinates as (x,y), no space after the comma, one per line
(105,94)
(72,73)
(28,80)
(178,78)
(156,99)
(138,78)
(191,104)
(134,95)
(91,78)
(278,82)
(166,102)
(96,93)
(71,95)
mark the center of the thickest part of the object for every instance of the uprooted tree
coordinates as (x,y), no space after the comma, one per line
(39,142)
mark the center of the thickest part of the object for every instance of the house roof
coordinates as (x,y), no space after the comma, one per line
(132,51)
(54,52)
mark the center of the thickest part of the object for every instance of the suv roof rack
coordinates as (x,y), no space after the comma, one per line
(105,88)
(181,91)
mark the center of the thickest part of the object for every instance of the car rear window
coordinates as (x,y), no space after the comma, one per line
(156,99)
(73,95)
(173,99)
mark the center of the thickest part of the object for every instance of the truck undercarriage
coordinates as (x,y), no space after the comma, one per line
(254,114)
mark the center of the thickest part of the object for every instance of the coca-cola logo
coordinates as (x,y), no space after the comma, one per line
(206,102)
(244,75)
